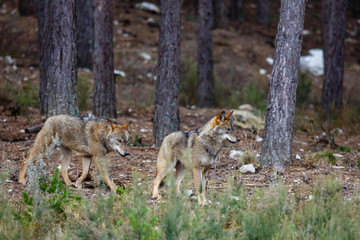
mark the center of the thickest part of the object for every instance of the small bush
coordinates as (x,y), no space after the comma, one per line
(323,158)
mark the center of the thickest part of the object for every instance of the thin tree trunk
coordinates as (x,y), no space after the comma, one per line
(104,101)
(205,84)
(85,32)
(333,33)
(220,14)
(276,150)
(236,10)
(263,11)
(58,57)
(43,64)
(166,118)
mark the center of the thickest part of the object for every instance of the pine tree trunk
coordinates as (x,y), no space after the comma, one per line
(333,33)
(104,101)
(263,11)
(220,14)
(236,10)
(58,58)
(276,150)
(43,64)
(166,118)
(205,84)
(85,32)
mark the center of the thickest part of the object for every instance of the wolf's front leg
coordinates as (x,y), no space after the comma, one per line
(199,185)
(102,165)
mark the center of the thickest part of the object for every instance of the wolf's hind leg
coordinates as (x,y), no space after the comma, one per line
(22,172)
(86,161)
(66,152)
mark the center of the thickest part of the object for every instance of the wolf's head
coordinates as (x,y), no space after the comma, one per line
(118,137)
(223,127)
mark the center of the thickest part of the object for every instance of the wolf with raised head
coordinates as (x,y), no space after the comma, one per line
(91,137)
(196,150)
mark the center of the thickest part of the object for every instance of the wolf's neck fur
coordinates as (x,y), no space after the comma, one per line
(210,142)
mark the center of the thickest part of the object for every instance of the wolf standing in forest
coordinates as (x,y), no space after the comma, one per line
(92,138)
(196,150)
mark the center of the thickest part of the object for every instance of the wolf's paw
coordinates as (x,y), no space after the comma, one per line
(22,181)
(156,197)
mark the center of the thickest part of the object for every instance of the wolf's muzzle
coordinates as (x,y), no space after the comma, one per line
(123,154)
(237,140)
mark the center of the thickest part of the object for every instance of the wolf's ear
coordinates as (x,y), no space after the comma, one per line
(111,125)
(228,116)
(219,118)
(126,125)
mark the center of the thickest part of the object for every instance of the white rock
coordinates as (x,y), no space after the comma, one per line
(119,72)
(116,22)
(247,168)
(235,154)
(257,155)
(8,181)
(22,130)
(337,130)
(313,63)
(145,56)
(188,192)
(301,150)
(338,167)
(235,197)
(144,130)
(262,71)
(258,139)
(297,157)
(150,7)
(150,20)
(270,60)
(9,59)
(338,155)
(306,32)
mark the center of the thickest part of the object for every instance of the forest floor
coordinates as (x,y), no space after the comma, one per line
(298,178)
(239,53)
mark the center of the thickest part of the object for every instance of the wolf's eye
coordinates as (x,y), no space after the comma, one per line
(119,140)
(229,129)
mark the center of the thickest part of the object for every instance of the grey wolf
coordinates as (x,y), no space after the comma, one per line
(91,137)
(196,150)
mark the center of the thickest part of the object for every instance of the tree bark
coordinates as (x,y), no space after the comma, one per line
(279,123)
(205,84)
(263,11)
(85,33)
(333,34)
(236,10)
(104,101)
(166,118)
(57,27)
(43,79)
(220,14)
